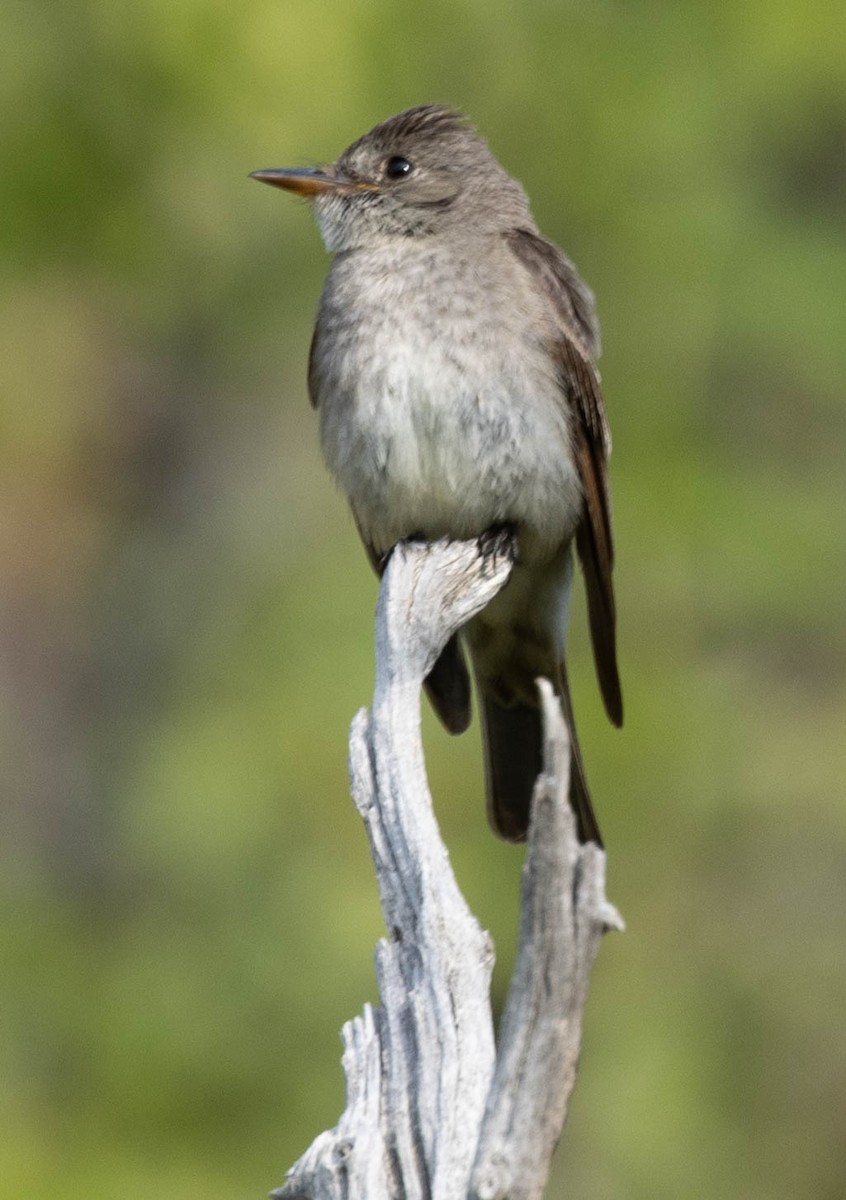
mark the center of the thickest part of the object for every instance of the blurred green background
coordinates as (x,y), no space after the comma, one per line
(188,907)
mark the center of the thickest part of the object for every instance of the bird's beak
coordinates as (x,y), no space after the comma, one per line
(305,181)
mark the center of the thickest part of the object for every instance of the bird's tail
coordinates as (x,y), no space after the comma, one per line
(512,740)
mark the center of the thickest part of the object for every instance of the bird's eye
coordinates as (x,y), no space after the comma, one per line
(397,167)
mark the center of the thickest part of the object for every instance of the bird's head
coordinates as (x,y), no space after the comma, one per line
(421,173)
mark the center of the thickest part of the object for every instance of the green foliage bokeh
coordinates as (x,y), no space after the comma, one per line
(188,905)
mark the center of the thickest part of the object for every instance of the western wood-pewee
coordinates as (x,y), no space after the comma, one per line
(452,367)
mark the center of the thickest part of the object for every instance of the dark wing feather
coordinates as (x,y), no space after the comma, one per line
(570,296)
(574,344)
(312,366)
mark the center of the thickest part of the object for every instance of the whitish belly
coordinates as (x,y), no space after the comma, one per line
(421,443)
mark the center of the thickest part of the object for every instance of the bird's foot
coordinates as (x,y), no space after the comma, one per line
(499,539)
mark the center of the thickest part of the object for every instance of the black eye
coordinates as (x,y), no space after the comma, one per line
(398,168)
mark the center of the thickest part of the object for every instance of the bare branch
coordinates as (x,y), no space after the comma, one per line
(564,914)
(422,1081)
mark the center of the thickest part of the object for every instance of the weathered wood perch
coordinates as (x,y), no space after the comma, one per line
(433,1109)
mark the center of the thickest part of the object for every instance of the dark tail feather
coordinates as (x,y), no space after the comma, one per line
(448,687)
(512,740)
(448,683)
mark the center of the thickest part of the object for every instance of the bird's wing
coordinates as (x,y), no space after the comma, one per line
(574,345)
(312,366)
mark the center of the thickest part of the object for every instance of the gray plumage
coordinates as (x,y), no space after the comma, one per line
(452,368)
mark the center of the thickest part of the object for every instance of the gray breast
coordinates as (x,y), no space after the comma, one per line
(440,411)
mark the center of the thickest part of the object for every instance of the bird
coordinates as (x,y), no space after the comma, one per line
(453,369)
